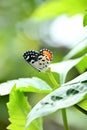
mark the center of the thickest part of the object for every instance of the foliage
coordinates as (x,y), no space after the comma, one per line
(85,20)
(58,94)
(13,42)
(56,7)
(25,85)
(18,109)
(66,95)
(63,97)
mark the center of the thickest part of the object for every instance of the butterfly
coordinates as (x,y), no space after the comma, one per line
(38,60)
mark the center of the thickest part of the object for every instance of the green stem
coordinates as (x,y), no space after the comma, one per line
(65,119)
(64,116)
(52,79)
(56,85)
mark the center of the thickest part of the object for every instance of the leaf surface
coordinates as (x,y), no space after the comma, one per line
(54,8)
(62,68)
(85,20)
(67,95)
(25,85)
(18,108)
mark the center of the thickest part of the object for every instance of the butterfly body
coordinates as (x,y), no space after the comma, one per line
(39,60)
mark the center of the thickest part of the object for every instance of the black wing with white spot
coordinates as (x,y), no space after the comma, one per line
(31,56)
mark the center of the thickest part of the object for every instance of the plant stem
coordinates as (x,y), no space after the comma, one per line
(56,85)
(65,119)
(64,116)
(51,77)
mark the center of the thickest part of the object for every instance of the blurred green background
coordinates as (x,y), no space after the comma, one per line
(26,25)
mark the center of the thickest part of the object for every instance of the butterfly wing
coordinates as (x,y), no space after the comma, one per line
(38,60)
(43,63)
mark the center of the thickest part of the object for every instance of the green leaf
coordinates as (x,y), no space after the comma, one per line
(82,65)
(83,105)
(79,47)
(62,68)
(67,95)
(25,85)
(54,8)
(85,20)
(81,78)
(18,109)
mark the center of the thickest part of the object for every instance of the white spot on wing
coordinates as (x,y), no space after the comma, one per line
(27,57)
